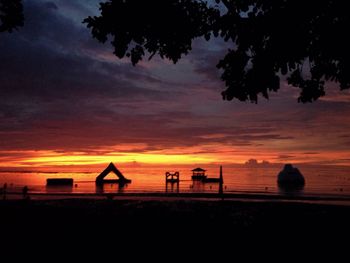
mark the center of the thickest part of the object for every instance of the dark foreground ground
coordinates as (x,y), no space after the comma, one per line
(171,226)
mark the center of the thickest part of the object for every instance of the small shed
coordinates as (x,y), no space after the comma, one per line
(100,179)
(59,181)
(198,174)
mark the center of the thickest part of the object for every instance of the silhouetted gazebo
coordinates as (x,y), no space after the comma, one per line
(100,180)
(198,174)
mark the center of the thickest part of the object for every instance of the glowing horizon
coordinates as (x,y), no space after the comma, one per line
(60,159)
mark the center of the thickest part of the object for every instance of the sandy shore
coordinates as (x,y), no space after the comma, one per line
(76,213)
(195,227)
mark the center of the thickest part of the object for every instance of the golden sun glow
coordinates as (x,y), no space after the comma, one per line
(121,157)
(51,158)
(139,153)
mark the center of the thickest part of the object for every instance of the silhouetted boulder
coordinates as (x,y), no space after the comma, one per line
(290,176)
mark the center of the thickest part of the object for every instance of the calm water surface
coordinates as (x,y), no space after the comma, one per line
(319,181)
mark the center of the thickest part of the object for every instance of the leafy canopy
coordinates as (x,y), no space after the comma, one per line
(304,40)
(11,15)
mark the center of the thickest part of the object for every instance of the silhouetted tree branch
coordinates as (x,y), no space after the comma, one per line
(304,40)
(163,27)
(11,15)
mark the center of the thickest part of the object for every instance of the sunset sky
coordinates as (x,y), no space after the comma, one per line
(67,100)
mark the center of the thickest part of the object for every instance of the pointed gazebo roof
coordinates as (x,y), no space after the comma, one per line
(111,168)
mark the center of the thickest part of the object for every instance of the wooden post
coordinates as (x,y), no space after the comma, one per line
(221,182)
(4,189)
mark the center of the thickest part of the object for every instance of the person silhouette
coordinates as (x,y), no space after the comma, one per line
(4,191)
(25,192)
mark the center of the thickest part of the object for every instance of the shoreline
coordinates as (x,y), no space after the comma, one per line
(190,211)
(238,196)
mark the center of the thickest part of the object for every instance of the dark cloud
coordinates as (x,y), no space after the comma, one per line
(63,91)
(205,56)
(43,70)
(285,156)
(109,129)
(49,5)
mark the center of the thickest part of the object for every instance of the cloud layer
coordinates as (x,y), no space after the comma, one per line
(62,91)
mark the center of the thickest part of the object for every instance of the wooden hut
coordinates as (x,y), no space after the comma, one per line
(100,179)
(59,181)
(198,174)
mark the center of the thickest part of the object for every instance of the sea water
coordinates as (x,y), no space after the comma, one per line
(320,180)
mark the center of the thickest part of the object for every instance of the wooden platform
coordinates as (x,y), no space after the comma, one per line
(114,181)
(172,180)
(59,181)
(199,177)
(211,180)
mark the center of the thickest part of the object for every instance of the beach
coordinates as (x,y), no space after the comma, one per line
(183,221)
(196,215)
(157,228)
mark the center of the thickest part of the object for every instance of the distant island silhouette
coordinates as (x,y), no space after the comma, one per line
(255,163)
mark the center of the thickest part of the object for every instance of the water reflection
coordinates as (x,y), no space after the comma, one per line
(291,190)
(59,188)
(320,180)
(172,187)
(198,186)
(110,188)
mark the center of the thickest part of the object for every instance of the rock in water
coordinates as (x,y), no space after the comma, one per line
(290,176)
